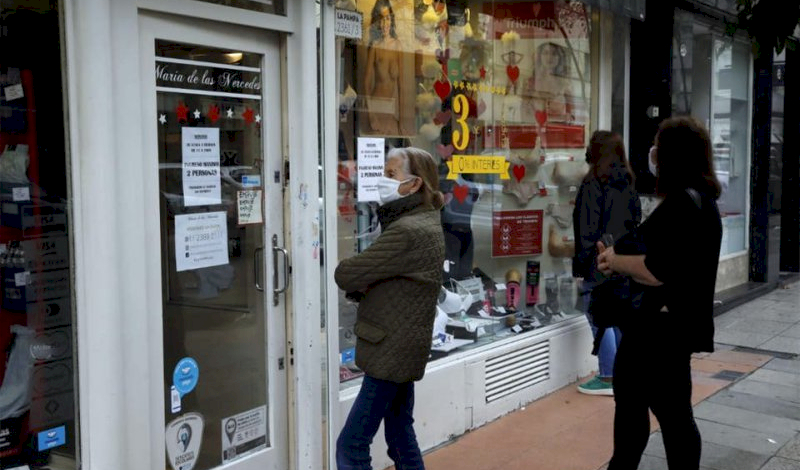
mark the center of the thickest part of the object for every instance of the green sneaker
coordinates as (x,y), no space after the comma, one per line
(597,386)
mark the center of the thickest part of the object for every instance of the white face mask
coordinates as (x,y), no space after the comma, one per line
(388,189)
(650,163)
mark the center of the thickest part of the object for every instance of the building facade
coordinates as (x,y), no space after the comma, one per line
(180,178)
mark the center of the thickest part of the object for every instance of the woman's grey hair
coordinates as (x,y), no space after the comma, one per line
(419,163)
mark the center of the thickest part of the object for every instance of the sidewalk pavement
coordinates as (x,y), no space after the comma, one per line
(746,399)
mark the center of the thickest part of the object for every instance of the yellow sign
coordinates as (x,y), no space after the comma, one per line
(478,164)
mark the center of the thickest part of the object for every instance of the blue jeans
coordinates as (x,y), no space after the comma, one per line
(608,345)
(392,403)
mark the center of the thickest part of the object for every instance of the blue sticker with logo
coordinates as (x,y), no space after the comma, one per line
(251,181)
(185,376)
(52,438)
(348,355)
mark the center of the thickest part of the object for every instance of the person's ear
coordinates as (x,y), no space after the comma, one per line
(416,184)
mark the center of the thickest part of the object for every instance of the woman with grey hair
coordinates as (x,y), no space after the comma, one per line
(396,282)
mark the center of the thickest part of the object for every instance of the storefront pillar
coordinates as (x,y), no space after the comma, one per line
(790,204)
(97,250)
(760,227)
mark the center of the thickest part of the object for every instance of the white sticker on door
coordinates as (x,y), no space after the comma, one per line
(201,240)
(244,434)
(184,435)
(249,206)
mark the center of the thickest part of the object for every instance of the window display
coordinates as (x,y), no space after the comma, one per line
(37,370)
(500,93)
(711,81)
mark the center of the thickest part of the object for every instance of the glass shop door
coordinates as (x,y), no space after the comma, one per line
(217,124)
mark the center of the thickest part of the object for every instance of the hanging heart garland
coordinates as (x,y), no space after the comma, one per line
(442,88)
(519,172)
(541,117)
(513,73)
(460,192)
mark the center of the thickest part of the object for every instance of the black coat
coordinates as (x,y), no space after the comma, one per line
(602,207)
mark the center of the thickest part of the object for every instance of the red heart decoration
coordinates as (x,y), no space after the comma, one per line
(460,192)
(519,172)
(541,117)
(513,73)
(536,8)
(442,89)
(445,150)
(442,117)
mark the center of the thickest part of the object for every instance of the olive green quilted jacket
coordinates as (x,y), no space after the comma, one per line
(400,276)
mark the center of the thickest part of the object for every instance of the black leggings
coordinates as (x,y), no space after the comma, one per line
(650,376)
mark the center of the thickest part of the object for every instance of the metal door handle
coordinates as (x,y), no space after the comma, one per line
(275,250)
(256,270)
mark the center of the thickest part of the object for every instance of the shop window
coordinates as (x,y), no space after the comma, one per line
(37,388)
(275,7)
(502,93)
(711,81)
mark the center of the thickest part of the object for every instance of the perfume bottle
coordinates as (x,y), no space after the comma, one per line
(532,283)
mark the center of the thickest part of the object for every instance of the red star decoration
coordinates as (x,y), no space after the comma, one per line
(483,72)
(248,115)
(213,113)
(182,111)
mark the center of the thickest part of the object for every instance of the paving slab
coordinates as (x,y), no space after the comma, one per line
(780,392)
(792,332)
(744,419)
(742,338)
(744,439)
(759,404)
(776,377)
(767,327)
(784,365)
(779,463)
(782,343)
(791,450)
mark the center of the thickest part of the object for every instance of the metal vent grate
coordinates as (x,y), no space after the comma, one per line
(517,370)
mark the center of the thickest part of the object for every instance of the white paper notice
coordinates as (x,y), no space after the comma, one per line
(370,167)
(249,203)
(244,434)
(201,240)
(14,92)
(201,177)
(22,193)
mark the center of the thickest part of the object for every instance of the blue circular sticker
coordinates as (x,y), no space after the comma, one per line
(185,376)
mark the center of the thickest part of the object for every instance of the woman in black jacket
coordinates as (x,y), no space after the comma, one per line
(607,204)
(681,240)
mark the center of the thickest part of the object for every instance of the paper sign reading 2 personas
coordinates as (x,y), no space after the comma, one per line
(370,167)
(201,240)
(201,169)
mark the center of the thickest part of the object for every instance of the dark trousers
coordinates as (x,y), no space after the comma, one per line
(650,376)
(392,403)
